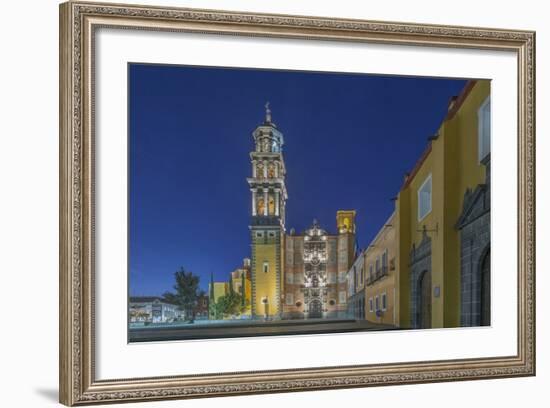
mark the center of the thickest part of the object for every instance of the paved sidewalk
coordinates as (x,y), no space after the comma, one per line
(254,328)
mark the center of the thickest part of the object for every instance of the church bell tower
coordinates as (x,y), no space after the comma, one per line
(267,226)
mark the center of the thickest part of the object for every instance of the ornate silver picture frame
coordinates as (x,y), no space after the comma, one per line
(79,22)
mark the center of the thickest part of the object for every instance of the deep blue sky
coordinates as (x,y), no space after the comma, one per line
(349,141)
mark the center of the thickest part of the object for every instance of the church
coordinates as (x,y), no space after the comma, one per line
(294,275)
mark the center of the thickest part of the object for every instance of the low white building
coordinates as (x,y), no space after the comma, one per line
(152,309)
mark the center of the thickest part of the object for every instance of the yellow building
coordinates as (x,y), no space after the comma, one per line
(242,284)
(356,280)
(216,290)
(380,264)
(444,221)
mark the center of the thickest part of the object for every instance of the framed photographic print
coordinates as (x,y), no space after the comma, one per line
(255,203)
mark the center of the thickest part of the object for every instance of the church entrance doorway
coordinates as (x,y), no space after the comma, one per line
(315,309)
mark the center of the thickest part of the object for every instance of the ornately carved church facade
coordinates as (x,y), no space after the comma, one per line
(294,276)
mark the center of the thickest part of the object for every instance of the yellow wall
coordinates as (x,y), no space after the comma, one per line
(454,167)
(462,171)
(266,284)
(220,289)
(386,239)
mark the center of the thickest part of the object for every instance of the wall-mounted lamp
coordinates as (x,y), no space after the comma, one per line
(425,231)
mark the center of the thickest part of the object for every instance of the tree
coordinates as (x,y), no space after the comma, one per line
(187,293)
(227,305)
(213,312)
(231,284)
(211,294)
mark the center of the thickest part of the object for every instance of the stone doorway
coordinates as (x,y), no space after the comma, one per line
(426,300)
(485,304)
(315,309)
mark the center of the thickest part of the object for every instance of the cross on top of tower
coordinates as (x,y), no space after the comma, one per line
(267,113)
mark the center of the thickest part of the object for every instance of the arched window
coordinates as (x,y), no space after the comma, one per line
(260,206)
(271,170)
(260,170)
(271,208)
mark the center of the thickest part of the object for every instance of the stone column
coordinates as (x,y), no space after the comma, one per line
(254,168)
(265,169)
(277,203)
(266,204)
(253,202)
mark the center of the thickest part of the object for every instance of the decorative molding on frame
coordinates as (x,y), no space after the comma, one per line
(78,20)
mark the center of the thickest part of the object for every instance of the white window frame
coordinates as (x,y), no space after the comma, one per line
(371,305)
(483,140)
(266,267)
(384,302)
(376,303)
(418,194)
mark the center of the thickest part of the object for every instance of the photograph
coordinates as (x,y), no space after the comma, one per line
(283,199)
(276,202)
